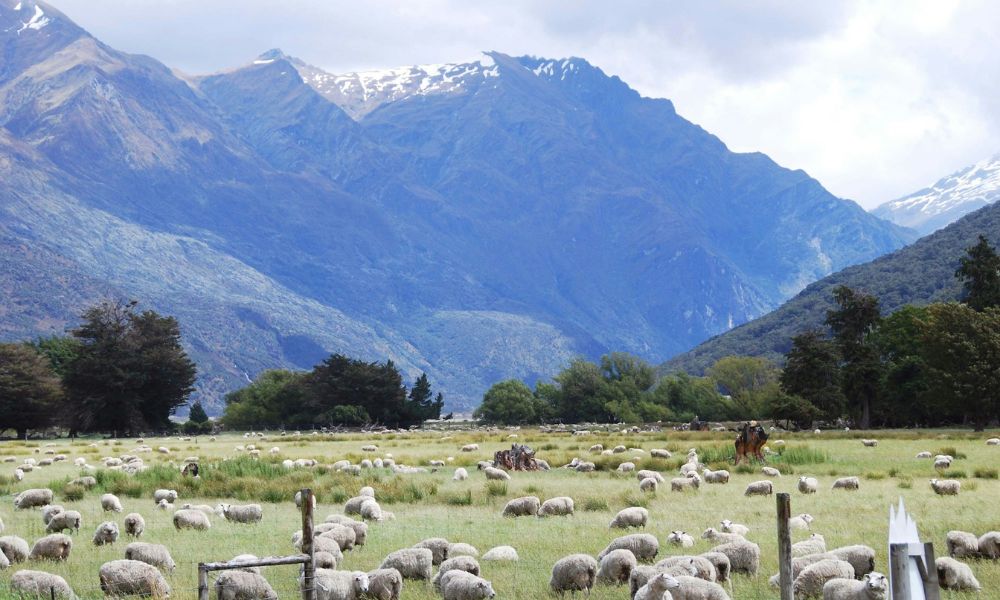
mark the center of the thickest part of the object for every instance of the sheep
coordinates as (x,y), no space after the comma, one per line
(69,519)
(460,474)
(367,491)
(33,498)
(242,513)
(814,545)
(955,575)
(720,476)
(501,553)
(369,448)
(770,472)
(808,485)
(412,563)
(616,566)
(521,507)
(679,484)
(372,511)
(558,506)
(660,453)
(385,584)
(462,549)
(156,555)
(106,533)
(811,580)
(962,544)
(461,563)
(576,572)
(168,495)
(438,547)
(681,539)
(800,521)
(39,584)
(759,488)
(597,448)
(298,499)
(56,546)
(989,545)
(641,574)
(946,487)
(340,585)
(873,586)
(659,587)
(993,442)
(344,535)
(353,505)
(111,503)
(694,588)
(470,447)
(459,585)
(729,527)
(50,511)
(924,454)
(132,578)
(585,467)
(360,528)
(86,482)
(191,519)
(869,443)
(626,467)
(744,556)
(647,485)
(164,505)
(14,548)
(205,508)
(721,563)
(861,557)
(942,463)
(847,483)
(643,545)
(238,584)
(647,474)
(714,535)
(326,560)
(496,474)
(633,516)
(18,474)
(246,558)
(802,562)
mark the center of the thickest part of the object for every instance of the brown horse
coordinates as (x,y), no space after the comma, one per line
(750,442)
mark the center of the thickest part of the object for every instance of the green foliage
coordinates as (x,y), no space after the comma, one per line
(750,381)
(59,350)
(273,399)
(812,372)
(801,455)
(986,473)
(979,272)
(73,492)
(688,397)
(952,452)
(459,499)
(197,413)
(510,402)
(857,316)
(595,504)
(30,394)
(496,488)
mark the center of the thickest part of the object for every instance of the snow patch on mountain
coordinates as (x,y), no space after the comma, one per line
(37,21)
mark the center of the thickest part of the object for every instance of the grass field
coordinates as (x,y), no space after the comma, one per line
(432,505)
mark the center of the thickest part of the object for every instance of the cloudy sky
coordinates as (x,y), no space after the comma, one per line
(875,99)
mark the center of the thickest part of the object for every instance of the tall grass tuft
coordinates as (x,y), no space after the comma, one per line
(984,473)
(595,504)
(801,455)
(496,488)
(459,499)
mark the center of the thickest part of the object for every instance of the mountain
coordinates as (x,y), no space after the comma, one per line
(921,273)
(474,221)
(947,200)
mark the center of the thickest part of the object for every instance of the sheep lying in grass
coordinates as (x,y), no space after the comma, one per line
(946,487)
(802,521)
(132,578)
(462,549)
(412,563)
(814,545)
(573,573)
(720,537)
(955,575)
(643,545)
(522,507)
(501,553)
(39,584)
(873,586)
(681,539)
(556,507)
(811,580)
(633,516)
(729,527)
(616,566)
(51,547)
(847,483)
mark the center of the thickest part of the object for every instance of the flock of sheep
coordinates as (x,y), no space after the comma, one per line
(844,573)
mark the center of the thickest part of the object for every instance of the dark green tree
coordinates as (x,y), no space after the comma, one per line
(578,394)
(59,350)
(791,409)
(748,380)
(980,272)
(812,372)
(857,316)
(276,398)
(510,402)
(197,413)
(687,397)
(30,392)
(904,398)
(421,404)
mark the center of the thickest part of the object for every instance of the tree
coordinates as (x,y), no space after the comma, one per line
(59,350)
(30,392)
(578,396)
(131,372)
(904,396)
(791,409)
(276,398)
(687,397)
(812,372)
(510,402)
(852,323)
(749,380)
(420,405)
(980,272)
(197,413)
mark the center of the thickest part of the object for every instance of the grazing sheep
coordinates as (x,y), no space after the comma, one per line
(800,521)
(802,562)
(353,505)
(647,485)
(556,507)
(962,544)
(847,483)
(659,587)
(461,563)
(87,482)
(744,557)
(811,580)
(641,574)
(770,472)
(369,448)
(660,453)
(372,511)
(576,572)
(759,488)
(106,533)
(168,495)
(687,564)
(873,586)
(808,485)
(152,554)
(412,563)
(459,585)
(721,563)
(924,454)
(360,528)
(39,584)
(633,516)
(111,503)
(869,443)
(946,487)
(385,584)
(720,476)
(164,505)
(238,584)
(191,519)
(521,507)
(242,513)
(61,521)
(861,557)
(616,566)
(437,546)
(56,546)
(14,548)
(340,585)
(647,474)
(462,549)
(626,467)
(955,575)
(246,558)
(597,448)
(496,474)
(942,462)
(326,560)
(50,511)
(132,578)
(33,498)
(729,527)
(134,525)
(989,545)
(344,535)
(501,553)
(814,545)
(460,474)
(694,588)
(644,546)
(679,484)
(18,474)
(585,467)
(680,538)
(470,447)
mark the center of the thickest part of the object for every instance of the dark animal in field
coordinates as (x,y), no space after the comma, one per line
(190,470)
(518,458)
(750,442)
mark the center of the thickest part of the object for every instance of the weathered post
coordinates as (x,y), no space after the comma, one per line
(309,567)
(899,563)
(784,547)
(932,587)
(202,582)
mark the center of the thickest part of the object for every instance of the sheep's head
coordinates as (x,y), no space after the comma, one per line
(361,582)
(808,518)
(726,524)
(709,533)
(665,581)
(486,589)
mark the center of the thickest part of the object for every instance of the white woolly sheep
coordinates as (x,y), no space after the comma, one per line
(770,472)
(808,485)
(470,447)
(412,563)
(462,549)
(208,510)
(989,545)
(729,527)
(496,474)
(924,454)
(461,563)
(340,585)
(111,503)
(861,557)
(802,521)
(659,587)
(633,516)
(681,539)
(344,535)
(298,499)
(168,495)
(811,580)
(438,547)
(459,585)
(847,483)
(626,467)
(152,554)
(869,443)
(720,476)
(360,528)
(802,562)
(679,484)
(14,548)
(616,566)
(993,442)
(942,462)
(242,513)
(134,525)
(106,533)
(521,507)
(962,544)
(686,564)
(460,475)
(33,498)
(759,488)
(132,578)
(647,485)
(744,557)
(556,507)
(644,546)
(325,560)
(946,487)
(576,572)
(372,511)
(647,474)
(641,574)
(49,511)
(814,545)
(61,521)
(238,584)
(721,563)
(955,575)
(873,586)
(597,448)
(585,467)
(56,546)
(191,519)
(86,482)
(18,474)
(353,505)
(39,584)
(694,588)
(385,584)
(501,553)
(720,537)
(164,505)
(660,453)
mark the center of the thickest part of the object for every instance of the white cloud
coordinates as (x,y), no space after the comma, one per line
(874,99)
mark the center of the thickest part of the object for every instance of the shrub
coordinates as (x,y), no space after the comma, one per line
(595,504)
(73,492)
(460,499)
(905,483)
(955,474)
(984,473)
(894,472)
(744,469)
(801,455)
(533,489)
(496,488)
(631,498)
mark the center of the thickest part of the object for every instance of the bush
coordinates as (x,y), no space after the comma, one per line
(496,488)
(955,474)
(984,473)
(801,455)
(73,492)
(461,499)
(905,483)
(594,504)
(632,499)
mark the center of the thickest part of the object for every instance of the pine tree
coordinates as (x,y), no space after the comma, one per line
(856,318)
(980,272)
(197,413)
(29,390)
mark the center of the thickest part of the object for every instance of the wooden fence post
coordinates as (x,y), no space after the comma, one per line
(309,568)
(932,587)
(899,560)
(202,582)
(784,547)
